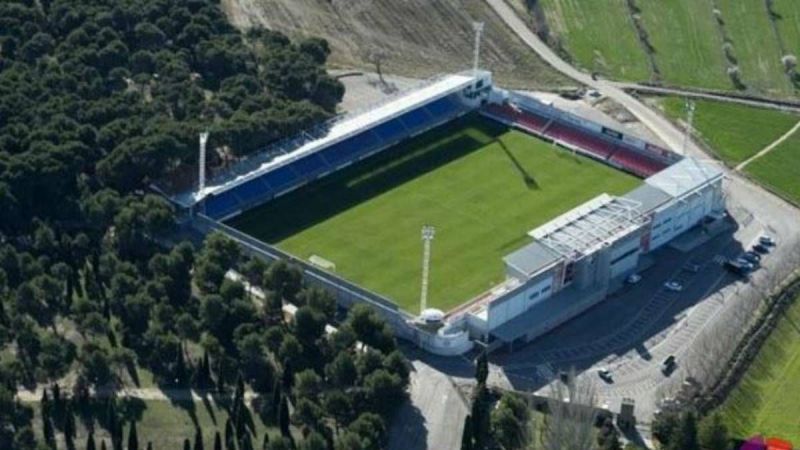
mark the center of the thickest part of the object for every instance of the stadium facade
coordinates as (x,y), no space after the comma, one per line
(572,263)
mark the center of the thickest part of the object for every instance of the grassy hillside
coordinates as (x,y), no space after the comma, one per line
(734,132)
(765,401)
(691,42)
(419,37)
(780,168)
(480,184)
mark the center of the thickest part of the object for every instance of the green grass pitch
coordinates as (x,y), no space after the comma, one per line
(765,401)
(482,185)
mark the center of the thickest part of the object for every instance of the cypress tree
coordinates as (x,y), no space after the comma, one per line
(133,438)
(44,404)
(482,368)
(47,431)
(276,400)
(265,441)
(217,441)
(186,444)
(103,445)
(283,417)
(230,439)
(149,445)
(57,411)
(466,435)
(198,439)
(90,441)
(69,427)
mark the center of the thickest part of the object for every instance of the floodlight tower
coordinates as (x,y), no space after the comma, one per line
(690,107)
(476,52)
(201,179)
(428,233)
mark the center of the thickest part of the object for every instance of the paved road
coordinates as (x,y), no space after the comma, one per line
(720,97)
(756,210)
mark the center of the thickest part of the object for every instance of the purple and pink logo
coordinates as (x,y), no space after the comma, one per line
(761,443)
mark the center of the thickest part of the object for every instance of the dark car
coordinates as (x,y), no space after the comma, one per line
(668,365)
(751,257)
(737,268)
(760,248)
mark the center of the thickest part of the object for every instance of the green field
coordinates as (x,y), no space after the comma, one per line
(480,184)
(687,40)
(584,29)
(780,168)
(766,400)
(734,132)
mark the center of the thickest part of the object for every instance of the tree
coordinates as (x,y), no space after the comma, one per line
(482,368)
(198,439)
(90,445)
(509,422)
(466,434)
(713,433)
(133,438)
(283,417)
(187,445)
(685,435)
(341,372)
(217,441)
(608,437)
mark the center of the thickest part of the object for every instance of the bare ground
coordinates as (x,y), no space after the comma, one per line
(420,37)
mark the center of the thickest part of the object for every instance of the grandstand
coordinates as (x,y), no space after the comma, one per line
(564,267)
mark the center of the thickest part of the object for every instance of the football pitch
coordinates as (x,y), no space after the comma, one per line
(482,185)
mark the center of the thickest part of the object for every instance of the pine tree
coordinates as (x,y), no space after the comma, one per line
(685,435)
(198,439)
(90,441)
(217,441)
(133,438)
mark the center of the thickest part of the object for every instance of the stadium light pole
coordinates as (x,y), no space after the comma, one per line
(689,124)
(476,52)
(428,232)
(201,179)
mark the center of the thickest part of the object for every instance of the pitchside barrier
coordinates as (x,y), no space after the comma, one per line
(347,294)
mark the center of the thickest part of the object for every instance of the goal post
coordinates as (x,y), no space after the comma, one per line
(322,263)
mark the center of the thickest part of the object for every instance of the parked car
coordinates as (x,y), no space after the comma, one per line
(668,365)
(734,267)
(633,278)
(766,240)
(745,263)
(691,266)
(605,375)
(673,286)
(760,248)
(751,257)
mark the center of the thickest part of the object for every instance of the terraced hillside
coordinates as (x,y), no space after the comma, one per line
(419,37)
(745,45)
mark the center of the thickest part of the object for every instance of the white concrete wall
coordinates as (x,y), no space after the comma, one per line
(508,308)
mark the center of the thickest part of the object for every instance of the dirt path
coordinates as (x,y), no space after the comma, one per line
(715,96)
(768,148)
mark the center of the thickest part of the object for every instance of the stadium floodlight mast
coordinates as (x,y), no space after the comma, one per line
(428,232)
(201,179)
(476,55)
(690,107)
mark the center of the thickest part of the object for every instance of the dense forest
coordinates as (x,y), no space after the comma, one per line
(97,99)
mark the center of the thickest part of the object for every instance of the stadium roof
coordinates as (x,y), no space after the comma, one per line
(650,197)
(595,223)
(532,258)
(336,130)
(685,176)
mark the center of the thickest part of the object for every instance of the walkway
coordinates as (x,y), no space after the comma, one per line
(715,96)
(768,148)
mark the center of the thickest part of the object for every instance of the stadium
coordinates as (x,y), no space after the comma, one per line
(539,214)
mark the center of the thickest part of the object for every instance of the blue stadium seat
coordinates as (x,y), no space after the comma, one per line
(218,206)
(281,178)
(251,190)
(416,120)
(310,166)
(391,131)
(442,107)
(351,148)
